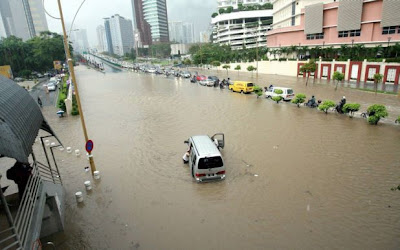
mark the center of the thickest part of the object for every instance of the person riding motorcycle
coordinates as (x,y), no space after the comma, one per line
(339,106)
(311,103)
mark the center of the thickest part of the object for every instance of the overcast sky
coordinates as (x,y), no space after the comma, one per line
(92,13)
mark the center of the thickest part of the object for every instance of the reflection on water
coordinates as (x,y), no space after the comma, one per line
(296,178)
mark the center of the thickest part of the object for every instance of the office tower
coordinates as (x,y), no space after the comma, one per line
(101,38)
(108,35)
(181,32)
(121,32)
(79,40)
(24,19)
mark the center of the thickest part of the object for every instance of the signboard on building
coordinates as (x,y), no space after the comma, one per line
(5,70)
(57,65)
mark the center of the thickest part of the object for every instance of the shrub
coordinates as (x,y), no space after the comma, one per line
(351,108)
(214,14)
(398,120)
(300,98)
(258,90)
(278,91)
(277,99)
(282,59)
(326,105)
(375,113)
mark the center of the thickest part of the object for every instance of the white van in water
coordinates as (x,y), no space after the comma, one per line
(205,160)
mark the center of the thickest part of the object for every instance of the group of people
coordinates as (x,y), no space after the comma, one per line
(312,103)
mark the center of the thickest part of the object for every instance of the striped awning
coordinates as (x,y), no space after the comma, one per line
(20,121)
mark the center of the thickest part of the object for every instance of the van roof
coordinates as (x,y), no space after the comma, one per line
(204,145)
(281,88)
(242,82)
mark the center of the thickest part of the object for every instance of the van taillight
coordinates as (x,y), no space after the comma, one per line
(200,175)
(221,172)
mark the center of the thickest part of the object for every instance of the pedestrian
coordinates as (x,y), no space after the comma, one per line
(20,174)
(39,101)
(186,157)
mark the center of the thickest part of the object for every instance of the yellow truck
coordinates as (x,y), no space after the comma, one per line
(5,70)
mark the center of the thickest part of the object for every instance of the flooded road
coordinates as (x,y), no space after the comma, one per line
(296,178)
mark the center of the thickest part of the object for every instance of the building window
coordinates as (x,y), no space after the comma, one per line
(343,33)
(355,32)
(389,30)
(315,36)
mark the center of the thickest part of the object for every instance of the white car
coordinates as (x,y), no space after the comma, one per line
(287,93)
(51,86)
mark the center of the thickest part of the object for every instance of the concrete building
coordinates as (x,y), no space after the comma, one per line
(108,35)
(242,29)
(181,32)
(155,14)
(121,35)
(141,27)
(101,38)
(368,22)
(79,40)
(179,49)
(287,12)
(24,19)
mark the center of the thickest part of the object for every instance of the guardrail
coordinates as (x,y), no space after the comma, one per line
(19,233)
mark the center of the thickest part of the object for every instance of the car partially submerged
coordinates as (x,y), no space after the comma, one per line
(205,159)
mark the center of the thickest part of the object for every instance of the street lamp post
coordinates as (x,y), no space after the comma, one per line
(71,70)
(387,54)
(352,42)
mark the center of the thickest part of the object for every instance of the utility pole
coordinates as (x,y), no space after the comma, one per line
(72,72)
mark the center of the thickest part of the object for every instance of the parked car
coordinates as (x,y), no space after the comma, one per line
(287,94)
(200,77)
(214,79)
(18,79)
(186,74)
(207,82)
(242,87)
(51,86)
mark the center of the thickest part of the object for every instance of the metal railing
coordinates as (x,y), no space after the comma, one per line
(20,227)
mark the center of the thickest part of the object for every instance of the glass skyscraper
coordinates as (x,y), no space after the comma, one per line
(155,14)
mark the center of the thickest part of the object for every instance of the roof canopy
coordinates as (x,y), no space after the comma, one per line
(20,121)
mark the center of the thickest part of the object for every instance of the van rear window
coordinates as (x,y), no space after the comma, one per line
(250,85)
(290,91)
(210,162)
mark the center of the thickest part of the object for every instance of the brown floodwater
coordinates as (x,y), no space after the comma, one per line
(296,178)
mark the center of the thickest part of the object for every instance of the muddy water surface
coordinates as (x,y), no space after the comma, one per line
(296,178)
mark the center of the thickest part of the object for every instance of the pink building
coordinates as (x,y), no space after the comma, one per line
(368,22)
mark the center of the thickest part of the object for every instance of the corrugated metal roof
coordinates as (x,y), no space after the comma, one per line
(20,121)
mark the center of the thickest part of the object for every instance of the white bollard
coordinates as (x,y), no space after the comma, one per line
(77,152)
(96,175)
(79,197)
(52,144)
(88,185)
(47,142)
(69,150)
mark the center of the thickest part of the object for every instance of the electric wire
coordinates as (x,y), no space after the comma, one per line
(48,12)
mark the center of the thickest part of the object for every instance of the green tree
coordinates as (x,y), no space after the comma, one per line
(229,9)
(221,11)
(300,98)
(187,61)
(350,108)
(326,105)
(226,66)
(214,14)
(251,68)
(216,64)
(338,77)
(377,79)
(277,98)
(307,68)
(375,113)
(238,68)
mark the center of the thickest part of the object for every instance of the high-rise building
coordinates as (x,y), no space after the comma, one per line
(141,26)
(242,27)
(181,32)
(155,13)
(121,34)
(108,35)
(24,19)
(288,12)
(101,38)
(79,40)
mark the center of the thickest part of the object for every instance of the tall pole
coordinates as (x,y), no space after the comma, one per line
(71,70)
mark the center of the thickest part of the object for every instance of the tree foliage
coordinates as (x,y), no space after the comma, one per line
(308,68)
(300,98)
(350,108)
(338,77)
(326,105)
(36,54)
(375,113)
(377,79)
(277,98)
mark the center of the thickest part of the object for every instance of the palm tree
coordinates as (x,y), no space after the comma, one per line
(329,52)
(344,49)
(304,50)
(377,50)
(284,50)
(293,50)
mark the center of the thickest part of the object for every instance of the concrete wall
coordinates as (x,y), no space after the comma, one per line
(291,68)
